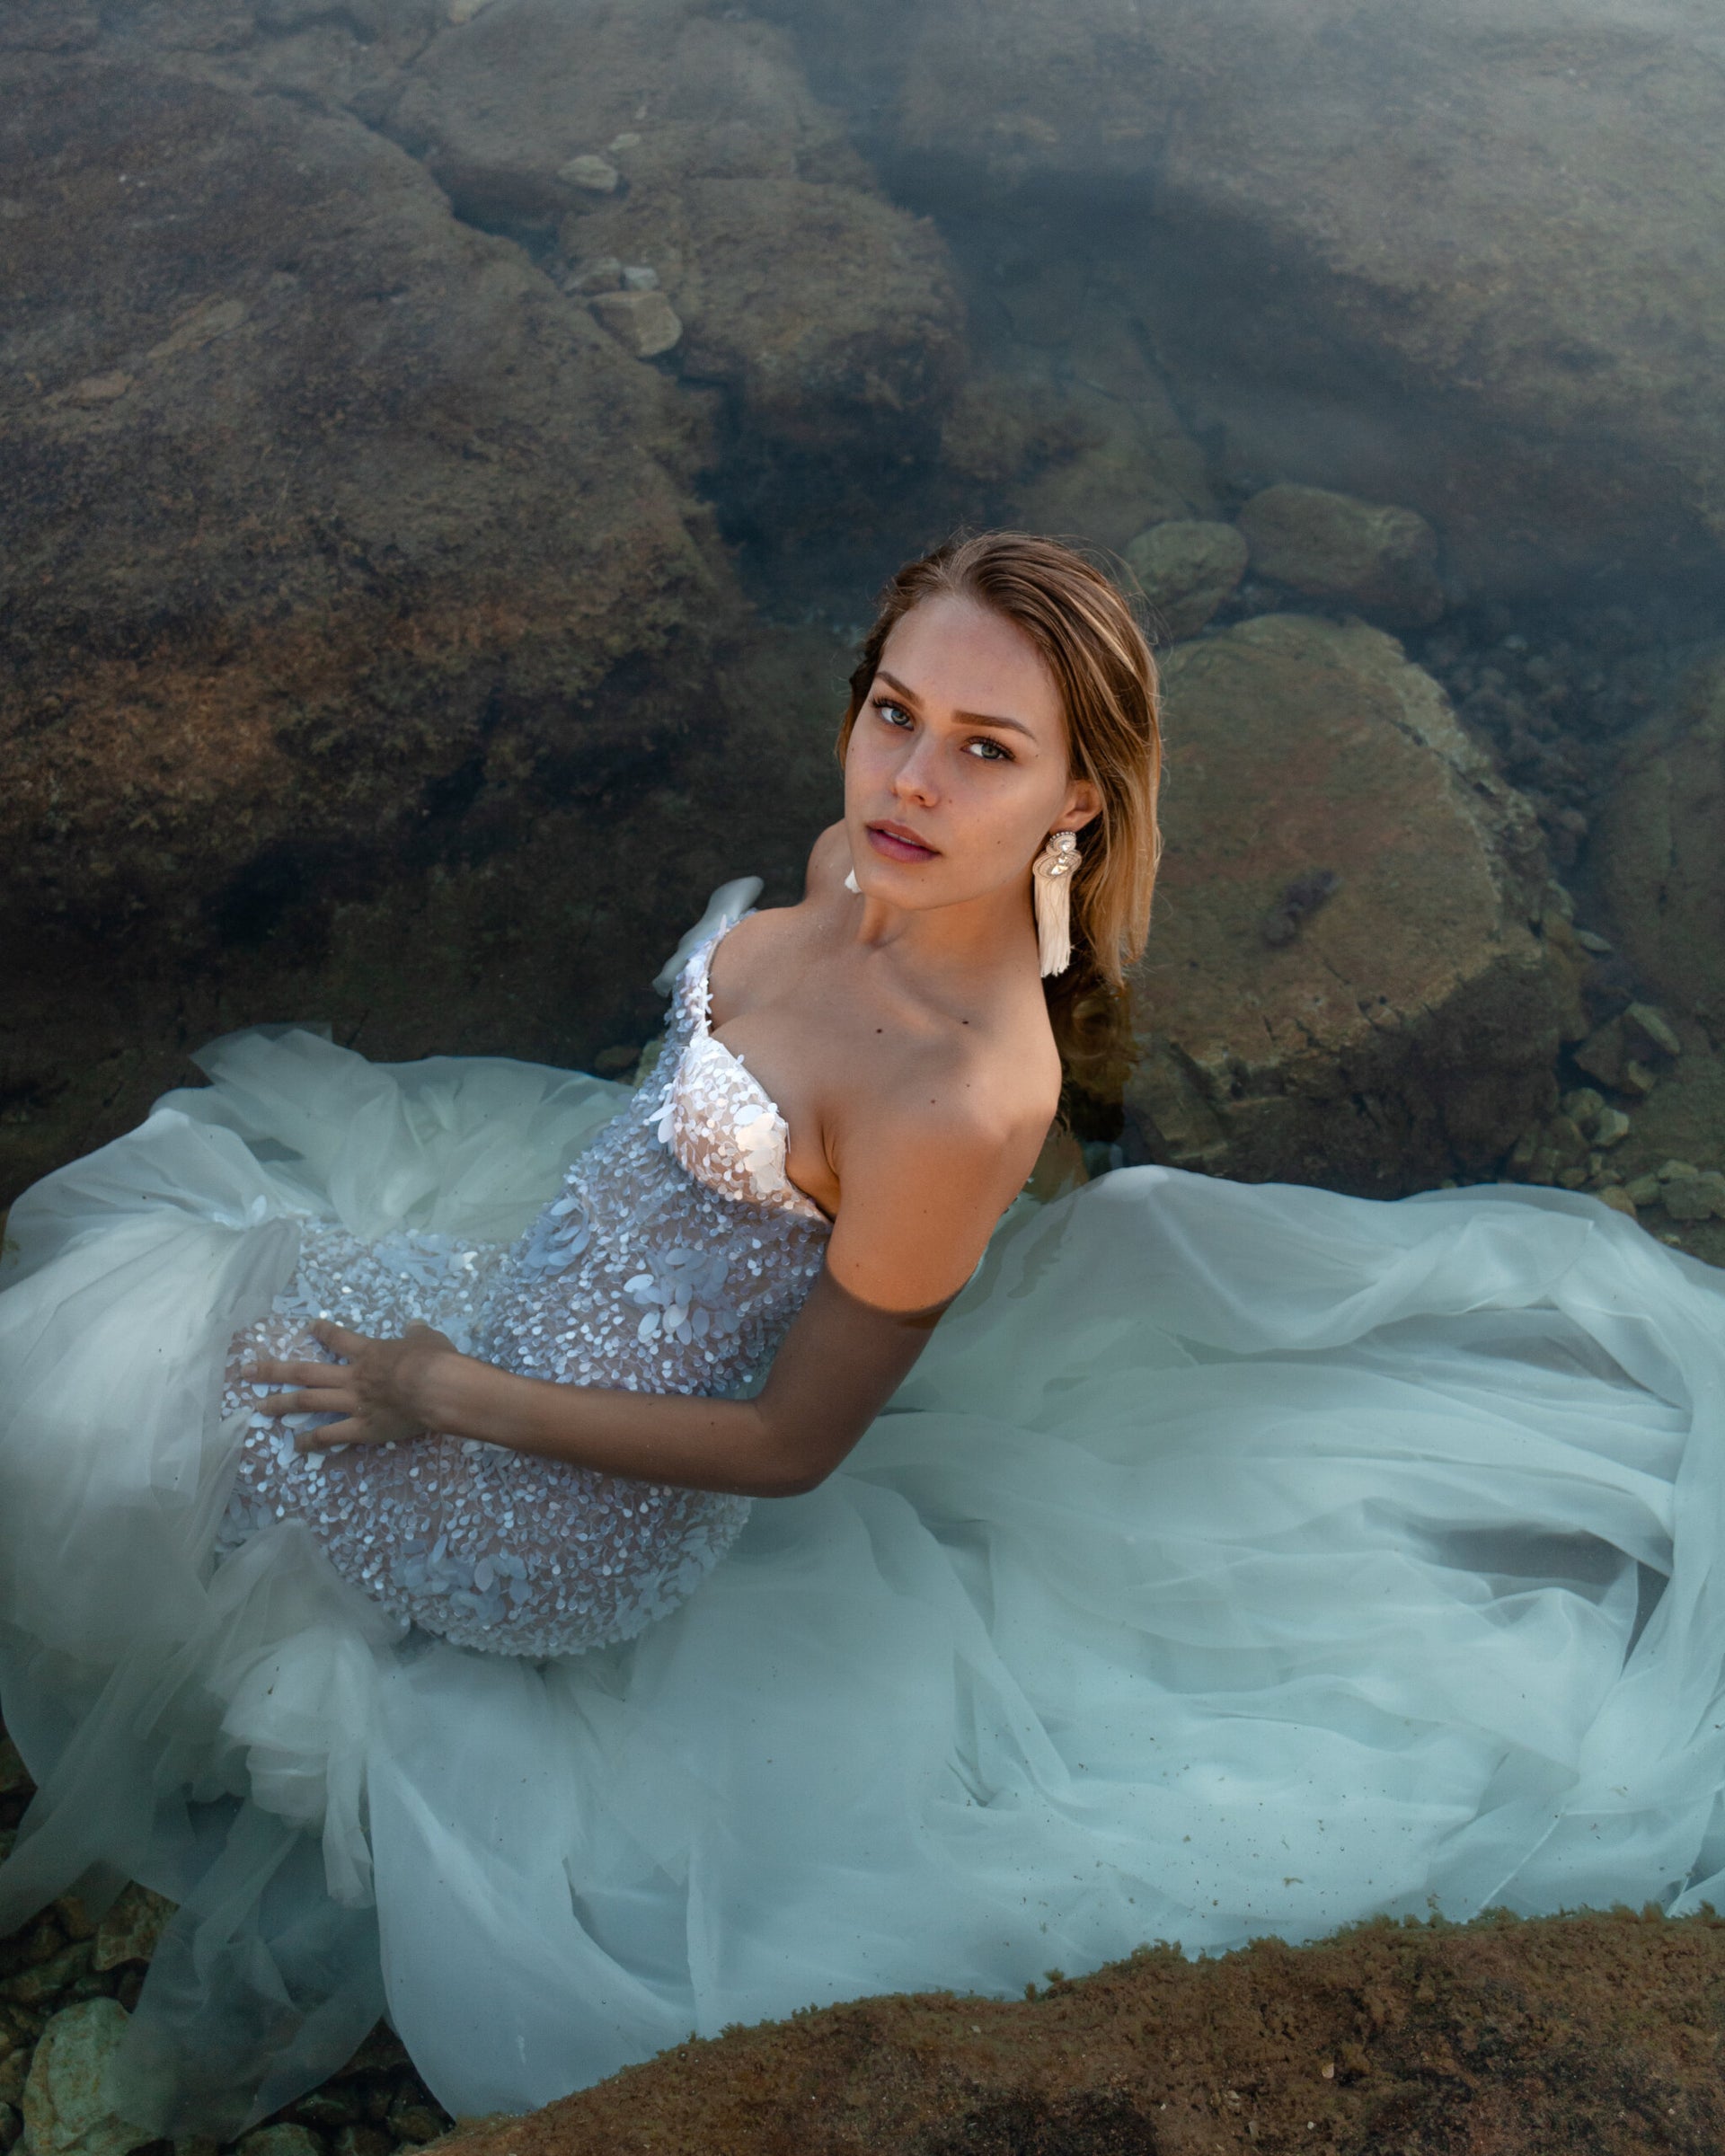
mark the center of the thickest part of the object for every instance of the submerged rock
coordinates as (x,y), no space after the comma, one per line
(65,2108)
(822,309)
(643,321)
(385,561)
(1658,852)
(1420,252)
(1380,559)
(1187,569)
(1408,1030)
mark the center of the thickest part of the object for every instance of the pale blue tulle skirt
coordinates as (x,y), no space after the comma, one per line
(1238,1560)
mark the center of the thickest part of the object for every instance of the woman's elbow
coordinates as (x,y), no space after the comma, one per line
(796,1467)
(795,1478)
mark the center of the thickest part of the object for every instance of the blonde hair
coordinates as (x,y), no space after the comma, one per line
(1092,644)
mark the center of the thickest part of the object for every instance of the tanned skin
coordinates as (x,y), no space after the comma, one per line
(903,1036)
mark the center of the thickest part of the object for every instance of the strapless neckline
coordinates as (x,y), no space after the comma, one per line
(764,1139)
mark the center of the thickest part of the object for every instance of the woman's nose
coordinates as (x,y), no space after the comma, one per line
(915,779)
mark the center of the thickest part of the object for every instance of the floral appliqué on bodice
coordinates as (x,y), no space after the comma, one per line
(673,1260)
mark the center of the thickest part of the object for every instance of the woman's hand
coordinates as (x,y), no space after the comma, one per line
(377,1387)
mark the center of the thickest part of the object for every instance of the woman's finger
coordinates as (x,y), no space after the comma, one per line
(336,1337)
(300,1373)
(349,1431)
(321,1402)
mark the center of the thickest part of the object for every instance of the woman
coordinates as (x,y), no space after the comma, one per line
(1232,1561)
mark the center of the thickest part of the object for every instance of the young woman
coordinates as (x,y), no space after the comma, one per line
(1229,1560)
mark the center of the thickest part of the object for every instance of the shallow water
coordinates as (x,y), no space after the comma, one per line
(450,449)
(453,444)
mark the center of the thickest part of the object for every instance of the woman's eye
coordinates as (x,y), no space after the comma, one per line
(987,751)
(895,714)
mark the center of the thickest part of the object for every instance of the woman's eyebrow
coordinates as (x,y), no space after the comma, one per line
(1016,725)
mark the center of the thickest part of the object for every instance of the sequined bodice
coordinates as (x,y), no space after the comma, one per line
(672,1260)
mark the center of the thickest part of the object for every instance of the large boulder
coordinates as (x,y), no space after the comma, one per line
(1358,972)
(1558,2032)
(670,138)
(354,594)
(1415,250)
(323,509)
(1657,858)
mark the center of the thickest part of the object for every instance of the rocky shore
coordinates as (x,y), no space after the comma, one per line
(1596,2031)
(451,445)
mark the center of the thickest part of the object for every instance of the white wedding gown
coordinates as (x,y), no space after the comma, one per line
(1237,1560)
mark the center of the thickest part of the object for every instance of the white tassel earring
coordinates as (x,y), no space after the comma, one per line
(1052,873)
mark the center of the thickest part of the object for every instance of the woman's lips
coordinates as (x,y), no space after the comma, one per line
(898,844)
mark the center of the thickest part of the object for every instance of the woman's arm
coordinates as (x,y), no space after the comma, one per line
(917,1214)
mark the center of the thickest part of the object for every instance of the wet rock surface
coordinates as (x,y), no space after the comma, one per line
(672,138)
(1186,569)
(1658,859)
(1360,972)
(1415,253)
(1515,2038)
(1371,555)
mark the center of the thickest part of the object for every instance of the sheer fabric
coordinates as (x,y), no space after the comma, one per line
(1237,1560)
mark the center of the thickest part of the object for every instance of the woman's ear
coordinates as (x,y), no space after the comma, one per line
(1083,802)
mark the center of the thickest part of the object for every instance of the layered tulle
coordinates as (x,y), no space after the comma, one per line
(1237,1560)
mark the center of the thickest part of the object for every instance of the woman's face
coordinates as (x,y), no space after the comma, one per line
(957,770)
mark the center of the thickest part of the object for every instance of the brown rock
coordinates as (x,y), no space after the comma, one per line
(1658,855)
(1379,558)
(394,563)
(132,1928)
(1186,569)
(827,312)
(1604,1054)
(1561,2033)
(643,321)
(820,306)
(1386,248)
(1407,1030)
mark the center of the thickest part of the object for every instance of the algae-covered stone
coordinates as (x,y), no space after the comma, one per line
(65,2107)
(1186,569)
(1408,1032)
(1380,559)
(132,1927)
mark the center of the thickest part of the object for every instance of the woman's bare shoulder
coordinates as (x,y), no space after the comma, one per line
(830,861)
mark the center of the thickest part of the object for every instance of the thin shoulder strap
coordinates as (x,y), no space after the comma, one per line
(727,907)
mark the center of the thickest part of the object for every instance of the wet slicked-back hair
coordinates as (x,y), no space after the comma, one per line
(1092,644)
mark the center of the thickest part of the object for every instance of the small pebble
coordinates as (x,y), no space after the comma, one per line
(1650,1030)
(593,175)
(1611,1128)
